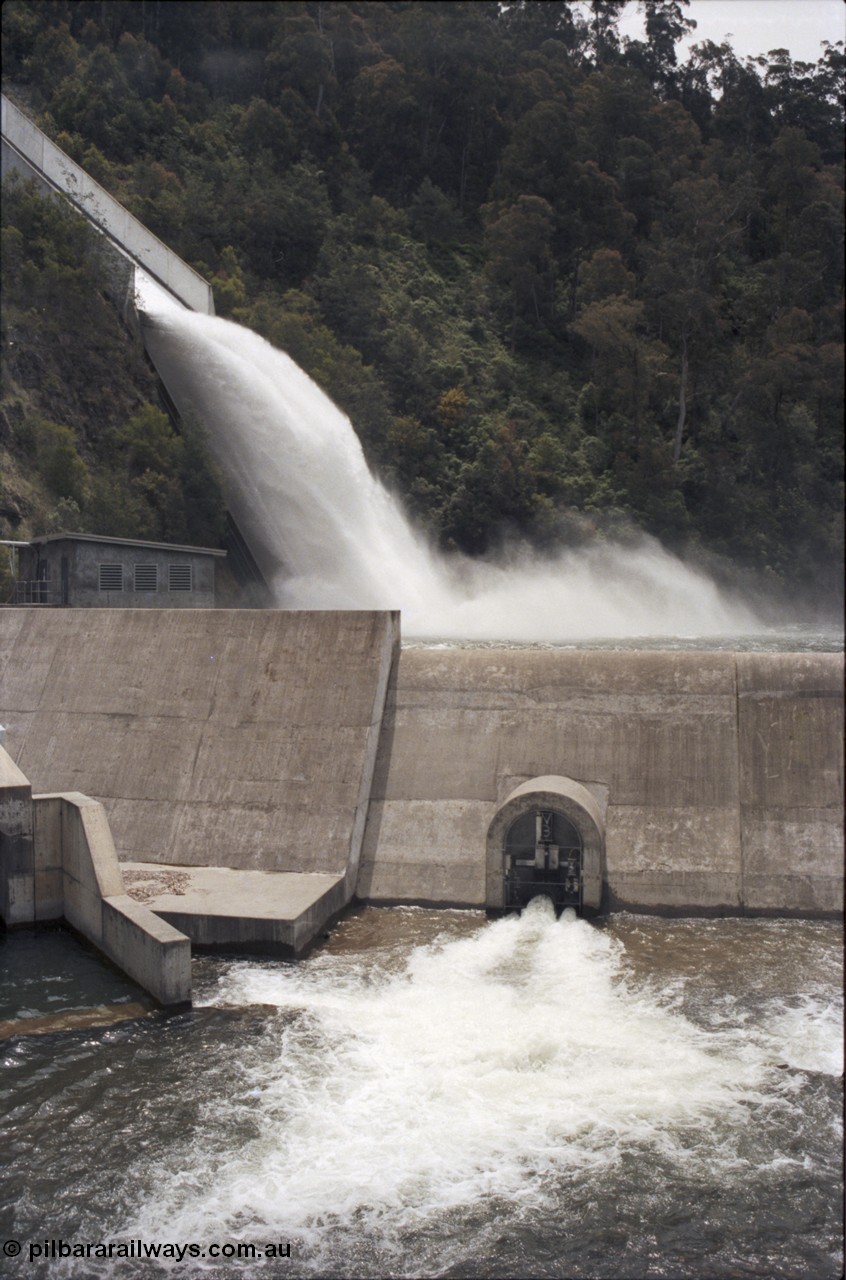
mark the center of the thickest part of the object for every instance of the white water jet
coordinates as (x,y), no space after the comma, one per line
(329,535)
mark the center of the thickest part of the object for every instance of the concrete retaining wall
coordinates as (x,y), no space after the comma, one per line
(720,774)
(243,739)
(29,150)
(73,846)
(58,862)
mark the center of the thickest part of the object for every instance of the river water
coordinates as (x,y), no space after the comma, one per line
(432,1093)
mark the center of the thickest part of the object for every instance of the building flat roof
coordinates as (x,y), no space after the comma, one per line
(121,542)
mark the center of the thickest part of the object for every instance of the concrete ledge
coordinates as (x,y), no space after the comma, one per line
(225,909)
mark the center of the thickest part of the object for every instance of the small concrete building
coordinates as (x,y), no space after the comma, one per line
(86,571)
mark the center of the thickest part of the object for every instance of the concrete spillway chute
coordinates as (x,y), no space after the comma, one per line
(547,838)
(27,150)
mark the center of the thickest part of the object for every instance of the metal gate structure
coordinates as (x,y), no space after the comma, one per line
(543,856)
(547,837)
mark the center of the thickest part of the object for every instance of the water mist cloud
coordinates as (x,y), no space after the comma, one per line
(328,535)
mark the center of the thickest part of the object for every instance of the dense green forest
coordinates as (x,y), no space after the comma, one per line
(562,282)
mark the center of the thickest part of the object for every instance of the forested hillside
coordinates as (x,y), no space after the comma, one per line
(560,282)
(84,443)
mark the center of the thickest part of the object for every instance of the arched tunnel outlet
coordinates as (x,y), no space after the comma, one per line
(547,838)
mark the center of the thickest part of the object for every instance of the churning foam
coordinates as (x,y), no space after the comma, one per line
(485,1068)
(329,535)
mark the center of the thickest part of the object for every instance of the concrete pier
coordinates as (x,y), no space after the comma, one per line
(58,862)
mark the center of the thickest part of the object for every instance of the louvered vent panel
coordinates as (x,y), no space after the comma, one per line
(179,577)
(110,577)
(146,577)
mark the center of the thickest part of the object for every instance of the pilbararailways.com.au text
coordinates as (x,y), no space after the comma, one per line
(231,1252)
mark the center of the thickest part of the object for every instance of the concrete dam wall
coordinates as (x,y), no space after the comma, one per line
(244,739)
(309,742)
(719,776)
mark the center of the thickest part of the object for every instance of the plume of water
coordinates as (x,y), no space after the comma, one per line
(329,535)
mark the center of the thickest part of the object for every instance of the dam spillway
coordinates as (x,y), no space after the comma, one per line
(127,243)
(312,744)
(527,1097)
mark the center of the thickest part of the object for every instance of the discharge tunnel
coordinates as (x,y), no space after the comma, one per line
(547,838)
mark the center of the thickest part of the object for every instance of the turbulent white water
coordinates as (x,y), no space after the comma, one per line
(433,1094)
(472,1071)
(328,534)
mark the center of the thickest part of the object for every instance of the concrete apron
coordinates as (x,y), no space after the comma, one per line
(226,909)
